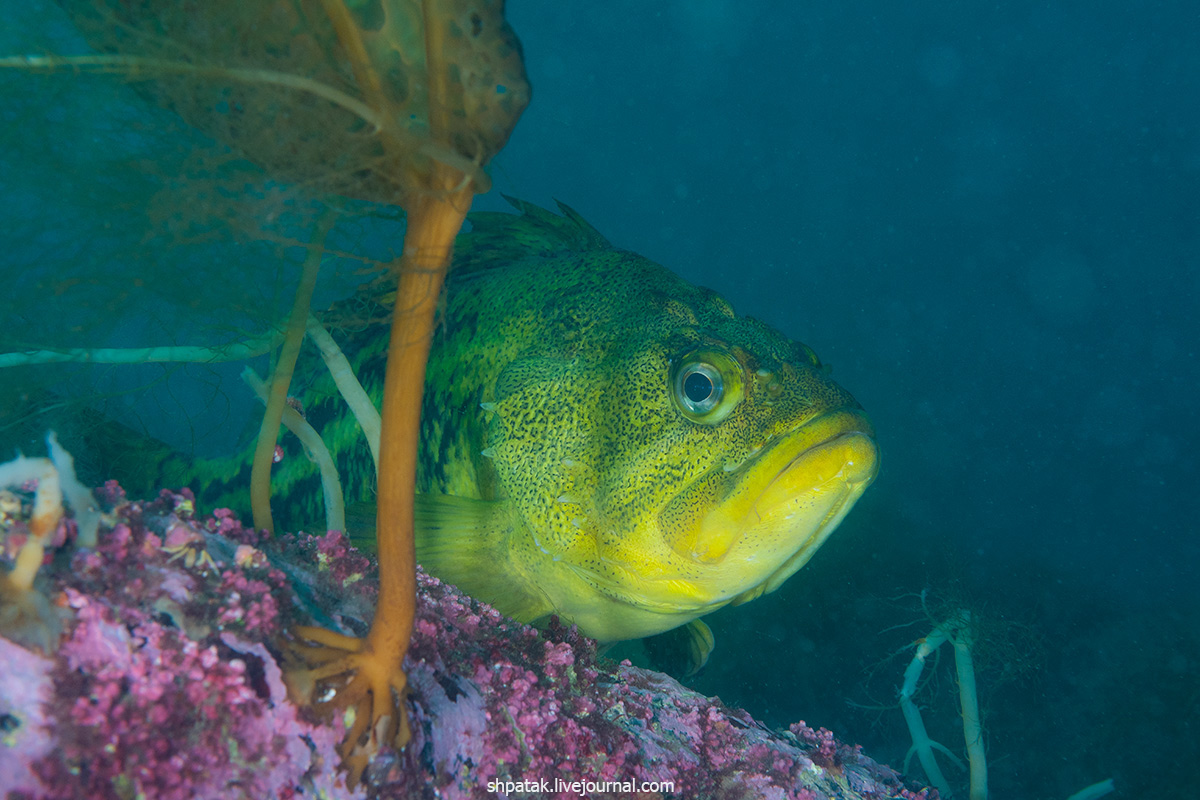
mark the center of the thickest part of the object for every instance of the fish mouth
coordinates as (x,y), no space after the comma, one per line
(804,505)
(778,507)
(848,458)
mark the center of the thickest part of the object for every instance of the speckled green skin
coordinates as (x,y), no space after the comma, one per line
(549,396)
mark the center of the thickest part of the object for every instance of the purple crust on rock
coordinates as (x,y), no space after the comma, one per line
(166,683)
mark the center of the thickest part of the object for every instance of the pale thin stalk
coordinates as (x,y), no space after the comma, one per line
(317,452)
(969,700)
(922,745)
(281,379)
(351,390)
(238,351)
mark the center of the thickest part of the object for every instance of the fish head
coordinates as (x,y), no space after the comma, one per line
(692,460)
(789,454)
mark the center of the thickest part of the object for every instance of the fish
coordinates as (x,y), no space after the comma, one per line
(601,440)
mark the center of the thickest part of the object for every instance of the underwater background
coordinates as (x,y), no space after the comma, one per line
(985,217)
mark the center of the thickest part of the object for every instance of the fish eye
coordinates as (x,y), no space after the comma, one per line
(700,388)
(706,386)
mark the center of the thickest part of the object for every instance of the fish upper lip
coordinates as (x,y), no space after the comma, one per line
(808,451)
(840,422)
(854,423)
(863,473)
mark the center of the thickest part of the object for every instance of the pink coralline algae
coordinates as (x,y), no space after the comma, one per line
(167,683)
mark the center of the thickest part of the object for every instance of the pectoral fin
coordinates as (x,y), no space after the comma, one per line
(466,542)
(681,651)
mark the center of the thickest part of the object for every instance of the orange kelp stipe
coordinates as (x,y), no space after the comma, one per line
(436,202)
(376,662)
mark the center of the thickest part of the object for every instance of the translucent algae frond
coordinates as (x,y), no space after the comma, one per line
(399,102)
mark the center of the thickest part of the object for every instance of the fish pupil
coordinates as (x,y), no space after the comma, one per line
(697,387)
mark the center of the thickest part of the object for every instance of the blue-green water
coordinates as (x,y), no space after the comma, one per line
(987,218)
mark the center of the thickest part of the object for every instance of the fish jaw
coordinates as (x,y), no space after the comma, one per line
(800,510)
(789,516)
(777,509)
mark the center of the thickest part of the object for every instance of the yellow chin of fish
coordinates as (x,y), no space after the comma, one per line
(781,506)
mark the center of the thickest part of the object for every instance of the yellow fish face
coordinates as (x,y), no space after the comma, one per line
(677,470)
